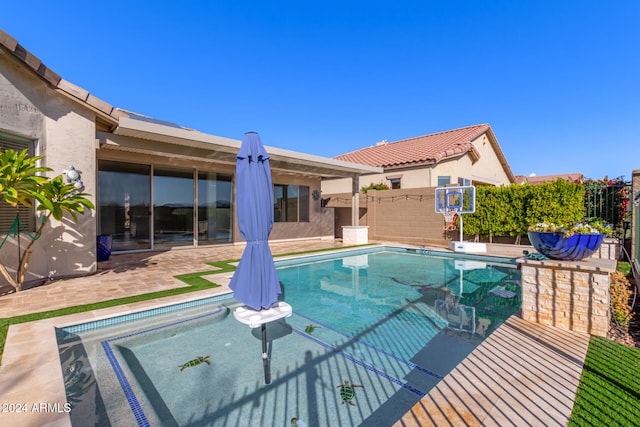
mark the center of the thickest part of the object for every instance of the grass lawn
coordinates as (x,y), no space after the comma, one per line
(608,394)
(609,390)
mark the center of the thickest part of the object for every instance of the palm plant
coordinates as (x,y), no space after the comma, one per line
(22,184)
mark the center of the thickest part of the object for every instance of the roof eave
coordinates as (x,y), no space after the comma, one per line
(286,159)
(104,112)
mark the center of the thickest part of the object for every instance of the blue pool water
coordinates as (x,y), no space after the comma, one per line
(392,321)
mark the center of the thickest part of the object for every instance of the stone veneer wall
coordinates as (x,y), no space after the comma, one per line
(572,295)
(609,249)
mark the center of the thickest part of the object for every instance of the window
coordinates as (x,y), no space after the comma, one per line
(124,204)
(464,181)
(290,203)
(394,181)
(7,212)
(444,180)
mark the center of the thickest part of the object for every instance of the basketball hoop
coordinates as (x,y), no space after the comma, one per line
(450,219)
(452,202)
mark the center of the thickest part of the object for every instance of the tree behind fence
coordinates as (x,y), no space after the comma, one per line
(607,199)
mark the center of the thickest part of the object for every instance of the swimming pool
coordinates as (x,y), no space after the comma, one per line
(390,321)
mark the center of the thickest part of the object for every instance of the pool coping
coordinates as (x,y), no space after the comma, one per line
(482,390)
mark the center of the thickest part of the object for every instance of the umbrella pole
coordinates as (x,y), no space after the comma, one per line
(265,356)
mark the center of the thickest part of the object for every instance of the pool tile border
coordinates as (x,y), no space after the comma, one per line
(128,391)
(125,318)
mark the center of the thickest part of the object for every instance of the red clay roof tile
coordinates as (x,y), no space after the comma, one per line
(422,149)
(571,177)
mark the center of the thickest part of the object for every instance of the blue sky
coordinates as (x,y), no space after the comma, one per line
(558,81)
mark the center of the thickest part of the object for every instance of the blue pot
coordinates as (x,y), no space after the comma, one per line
(103,247)
(572,248)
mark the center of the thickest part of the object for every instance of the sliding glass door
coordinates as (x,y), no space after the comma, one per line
(154,207)
(215,215)
(124,200)
(173,200)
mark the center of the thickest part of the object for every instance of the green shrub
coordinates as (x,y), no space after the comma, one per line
(625,268)
(510,210)
(379,186)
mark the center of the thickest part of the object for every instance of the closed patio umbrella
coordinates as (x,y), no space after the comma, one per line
(255,281)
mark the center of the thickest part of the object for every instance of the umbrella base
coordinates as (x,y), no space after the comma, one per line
(255,318)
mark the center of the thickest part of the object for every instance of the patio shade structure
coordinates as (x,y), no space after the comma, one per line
(255,281)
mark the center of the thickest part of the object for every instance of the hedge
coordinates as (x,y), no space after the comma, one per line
(510,210)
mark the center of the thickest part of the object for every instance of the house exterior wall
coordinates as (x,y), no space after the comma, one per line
(486,170)
(415,177)
(341,185)
(62,130)
(321,220)
(453,168)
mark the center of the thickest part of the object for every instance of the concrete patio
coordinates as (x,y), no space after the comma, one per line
(523,374)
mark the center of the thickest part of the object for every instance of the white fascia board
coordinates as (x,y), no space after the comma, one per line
(326,162)
(193,138)
(175,135)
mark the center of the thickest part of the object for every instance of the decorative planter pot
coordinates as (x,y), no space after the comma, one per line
(572,248)
(103,247)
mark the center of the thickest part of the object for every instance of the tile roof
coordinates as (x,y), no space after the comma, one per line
(534,179)
(419,150)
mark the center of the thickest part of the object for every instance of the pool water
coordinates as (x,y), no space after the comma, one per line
(389,322)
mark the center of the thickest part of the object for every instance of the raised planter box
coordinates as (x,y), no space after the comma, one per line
(609,249)
(572,295)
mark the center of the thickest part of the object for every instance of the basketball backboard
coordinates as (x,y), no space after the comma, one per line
(462,199)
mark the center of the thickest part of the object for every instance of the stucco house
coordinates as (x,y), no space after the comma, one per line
(155,184)
(465,156)
(412,169)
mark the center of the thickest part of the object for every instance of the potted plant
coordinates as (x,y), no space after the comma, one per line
(571,242)
(104,243)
